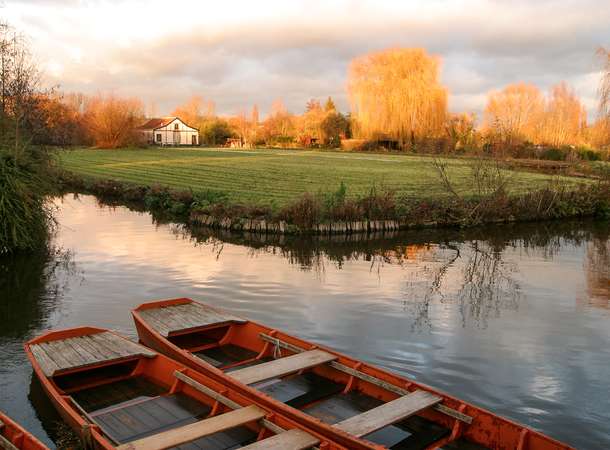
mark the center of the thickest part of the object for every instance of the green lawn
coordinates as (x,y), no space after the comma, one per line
(278,176)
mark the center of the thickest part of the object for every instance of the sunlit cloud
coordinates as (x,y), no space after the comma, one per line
(240,52)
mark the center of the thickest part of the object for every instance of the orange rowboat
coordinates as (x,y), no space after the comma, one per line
(13,436)
(121,395)
(330,393)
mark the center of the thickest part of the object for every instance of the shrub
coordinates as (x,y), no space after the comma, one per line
(553,154)
(305,212)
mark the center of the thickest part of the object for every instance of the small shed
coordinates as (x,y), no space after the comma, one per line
(168,131)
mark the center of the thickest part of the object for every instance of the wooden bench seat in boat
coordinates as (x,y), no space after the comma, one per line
(388,413)
(282,366)
(82,351)
(294,439)
(181,317)
(194,431)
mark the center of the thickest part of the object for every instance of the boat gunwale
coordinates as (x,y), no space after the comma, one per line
(374,371)
(91,432)
(9,423)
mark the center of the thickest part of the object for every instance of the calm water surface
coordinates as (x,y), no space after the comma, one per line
(514,319)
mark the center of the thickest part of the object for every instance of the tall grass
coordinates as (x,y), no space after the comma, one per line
(25,218)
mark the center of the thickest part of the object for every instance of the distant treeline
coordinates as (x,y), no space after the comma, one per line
(397,101)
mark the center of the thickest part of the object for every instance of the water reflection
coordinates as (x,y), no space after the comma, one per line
(507,317)
(467,267)
(597,268)
(31,289)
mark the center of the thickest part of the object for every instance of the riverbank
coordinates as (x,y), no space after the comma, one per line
(335,213)
(307,192)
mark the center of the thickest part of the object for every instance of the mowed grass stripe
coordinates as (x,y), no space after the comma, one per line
(177,182)
(265,176)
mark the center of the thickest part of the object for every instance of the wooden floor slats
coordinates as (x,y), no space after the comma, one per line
(168,319)
(71,353)
(388,413)
(294,439)
(282,366)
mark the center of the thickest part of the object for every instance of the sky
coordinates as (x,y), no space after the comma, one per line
(240,53)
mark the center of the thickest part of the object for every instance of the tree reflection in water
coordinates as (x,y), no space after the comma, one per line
(597,270)
(467,268)
(472,274)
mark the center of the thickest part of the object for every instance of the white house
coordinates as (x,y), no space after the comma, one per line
(168,131)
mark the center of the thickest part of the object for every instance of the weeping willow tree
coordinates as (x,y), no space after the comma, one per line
(396,94)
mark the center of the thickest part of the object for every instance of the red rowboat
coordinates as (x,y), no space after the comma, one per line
(14,436)
(324,390)
(119,394)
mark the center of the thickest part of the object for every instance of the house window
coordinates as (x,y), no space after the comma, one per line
(194,139)
(158,137)
(176,126)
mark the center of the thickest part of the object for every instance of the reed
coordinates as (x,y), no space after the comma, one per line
(25,217)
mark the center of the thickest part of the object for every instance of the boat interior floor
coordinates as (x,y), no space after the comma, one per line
(326,401)
(132,409)
(462,444)
(228,355)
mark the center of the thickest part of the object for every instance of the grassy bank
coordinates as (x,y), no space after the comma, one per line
(278,177)
(431,192)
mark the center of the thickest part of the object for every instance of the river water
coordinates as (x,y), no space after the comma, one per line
(515,319)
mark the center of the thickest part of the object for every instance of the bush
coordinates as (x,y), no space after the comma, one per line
(554,154)
(589,155)
(305,212)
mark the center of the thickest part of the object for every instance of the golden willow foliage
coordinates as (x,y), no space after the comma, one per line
(397,94)
(195,110)
(515,112)
(110,120)
(520,112)
(565,117)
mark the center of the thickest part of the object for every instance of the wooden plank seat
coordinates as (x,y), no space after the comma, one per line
(6,444)
(82,351)
(282,366)
(294,439)
(370,379)
(388,413)
(131,421)
(174,318)
(194,431)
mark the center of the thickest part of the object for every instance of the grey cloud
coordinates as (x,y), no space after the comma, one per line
(483,49)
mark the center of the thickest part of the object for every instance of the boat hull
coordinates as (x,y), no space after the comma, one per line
(171,378)
(486,429)
(17,435)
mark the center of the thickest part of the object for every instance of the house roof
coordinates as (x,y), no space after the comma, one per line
(160,122)
(157,122)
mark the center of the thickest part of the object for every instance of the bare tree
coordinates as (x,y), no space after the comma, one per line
(514,113)
(111,120)
(191,111)
(604,85)
(19,85)
(565,117)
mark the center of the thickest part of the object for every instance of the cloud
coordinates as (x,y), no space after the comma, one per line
(239,53)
